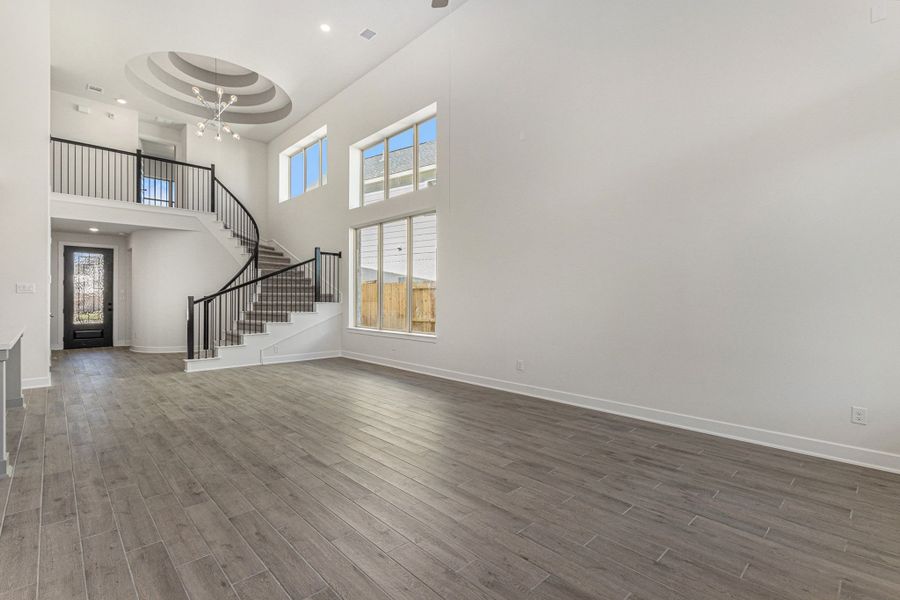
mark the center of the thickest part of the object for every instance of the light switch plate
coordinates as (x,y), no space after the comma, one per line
(879,11)
(25,288)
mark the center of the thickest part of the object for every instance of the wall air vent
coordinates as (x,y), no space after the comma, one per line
(94,88)
(367,34)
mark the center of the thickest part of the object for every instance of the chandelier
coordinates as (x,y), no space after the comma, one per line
(216,108)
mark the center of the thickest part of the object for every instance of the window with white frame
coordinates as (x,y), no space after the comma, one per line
(399,163)
(307,167)
(396,275)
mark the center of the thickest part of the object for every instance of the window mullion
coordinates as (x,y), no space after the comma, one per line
(357,287)
(415,157)
(380,275)
(409,280)
(387,169)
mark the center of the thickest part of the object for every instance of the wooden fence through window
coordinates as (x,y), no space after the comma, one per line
(423,303)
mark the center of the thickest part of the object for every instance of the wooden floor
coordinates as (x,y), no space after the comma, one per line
(337,479)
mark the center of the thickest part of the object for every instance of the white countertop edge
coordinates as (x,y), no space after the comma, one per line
(10,335)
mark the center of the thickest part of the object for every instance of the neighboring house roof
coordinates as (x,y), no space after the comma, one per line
(401,160)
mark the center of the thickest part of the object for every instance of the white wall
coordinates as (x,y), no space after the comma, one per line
(24,180)
(162,280)
(240,166)
(683,211)
(121,282)
(97,128)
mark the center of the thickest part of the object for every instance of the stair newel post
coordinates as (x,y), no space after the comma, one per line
(212,187)
(138,178)
(206,325)
(190,327)
(318,275)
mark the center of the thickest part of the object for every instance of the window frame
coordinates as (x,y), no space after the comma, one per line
(323,168)
(385,153)
(379,277)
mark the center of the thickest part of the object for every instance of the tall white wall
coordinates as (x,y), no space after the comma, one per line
(684,211)
(24,180)
(121,282)
(162,279)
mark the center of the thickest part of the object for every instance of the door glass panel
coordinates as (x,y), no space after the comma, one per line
(88,279)
(394,270)
(367,277)
(424,275)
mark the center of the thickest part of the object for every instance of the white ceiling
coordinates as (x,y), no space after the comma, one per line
(92,40)
(75,226)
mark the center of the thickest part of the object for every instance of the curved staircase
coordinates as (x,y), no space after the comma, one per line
(268,296)
(271,299)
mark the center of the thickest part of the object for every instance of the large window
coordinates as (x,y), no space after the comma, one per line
(396,275)
(308,168)
(401,163)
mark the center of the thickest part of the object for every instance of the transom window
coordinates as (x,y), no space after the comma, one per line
(308,168)
(407,161)
(396,275)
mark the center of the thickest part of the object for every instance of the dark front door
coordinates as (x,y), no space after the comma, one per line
(88,307)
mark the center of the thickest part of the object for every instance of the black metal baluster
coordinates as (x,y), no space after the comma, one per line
(138,170)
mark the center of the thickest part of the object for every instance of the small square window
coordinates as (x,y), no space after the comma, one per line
(307,169)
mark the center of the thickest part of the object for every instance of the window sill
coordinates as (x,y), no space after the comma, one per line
(399,335)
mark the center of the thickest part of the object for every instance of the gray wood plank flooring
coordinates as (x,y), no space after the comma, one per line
(335,479)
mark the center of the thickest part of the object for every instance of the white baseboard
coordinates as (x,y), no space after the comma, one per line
(286,358)
(865,457)
(36,382)
(117,344)
(158,349)
(198,365)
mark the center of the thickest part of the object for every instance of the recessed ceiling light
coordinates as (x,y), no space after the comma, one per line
(93,229)
(367,34)
(121,100)
(325,27)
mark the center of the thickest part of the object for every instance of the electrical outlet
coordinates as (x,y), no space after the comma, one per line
(275,349)
(25,288)
(858,415)
(520,365)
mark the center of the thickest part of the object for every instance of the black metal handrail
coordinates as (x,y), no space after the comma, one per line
(243,226)
(223,317)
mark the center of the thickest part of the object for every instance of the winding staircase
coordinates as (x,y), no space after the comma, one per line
(271,296)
